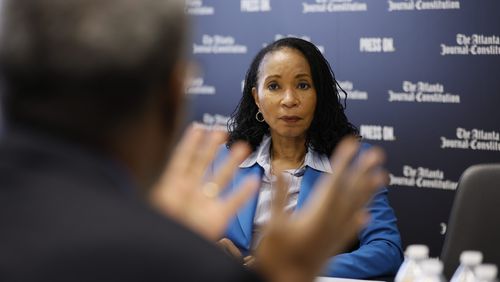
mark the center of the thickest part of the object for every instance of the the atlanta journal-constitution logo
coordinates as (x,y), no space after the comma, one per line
(196,8)
(474,44)
(218,44)
(422,5)
(332,6)
(352,93)
(473,139)
(423,92)
(197,86)
(214,121)
(422,177)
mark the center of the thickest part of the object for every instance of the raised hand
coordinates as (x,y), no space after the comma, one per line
(295,247)
(182,192)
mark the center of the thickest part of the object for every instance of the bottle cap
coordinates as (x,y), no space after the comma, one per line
(471,258)
(417,251)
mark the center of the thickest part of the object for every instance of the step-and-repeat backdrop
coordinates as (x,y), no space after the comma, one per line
(423,78)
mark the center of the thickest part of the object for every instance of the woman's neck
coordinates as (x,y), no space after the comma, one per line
(287,153)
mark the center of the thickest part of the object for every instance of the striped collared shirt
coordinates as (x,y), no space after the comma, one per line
(293,177)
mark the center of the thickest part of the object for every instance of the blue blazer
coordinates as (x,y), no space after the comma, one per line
(379,252)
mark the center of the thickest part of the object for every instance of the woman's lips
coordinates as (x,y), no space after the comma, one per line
(290,119)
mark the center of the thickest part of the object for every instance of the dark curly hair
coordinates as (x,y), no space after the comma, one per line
(329,124)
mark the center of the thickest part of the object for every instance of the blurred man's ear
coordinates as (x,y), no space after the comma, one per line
(161,127)
(175,96)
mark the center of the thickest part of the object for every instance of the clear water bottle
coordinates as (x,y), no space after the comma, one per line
(465,271)
(432,271)
(486,273)
(410,268)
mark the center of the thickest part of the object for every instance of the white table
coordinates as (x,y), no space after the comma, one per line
(333,279)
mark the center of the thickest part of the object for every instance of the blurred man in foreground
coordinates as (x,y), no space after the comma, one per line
(92,100)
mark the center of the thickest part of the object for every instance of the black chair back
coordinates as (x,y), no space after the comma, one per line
(475,217)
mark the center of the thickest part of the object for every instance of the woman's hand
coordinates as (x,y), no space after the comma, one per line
(229,248)
(249,261)
(183,193)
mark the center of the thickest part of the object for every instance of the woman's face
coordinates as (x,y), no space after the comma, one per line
(285,93)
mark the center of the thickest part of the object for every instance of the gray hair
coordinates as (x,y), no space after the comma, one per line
(86,66)
(87,37)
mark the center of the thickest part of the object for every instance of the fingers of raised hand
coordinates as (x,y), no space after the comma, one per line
(346,234)
(185,150)
(196,151)
(366,176)
(228,205)
(343,155)
(346,191)
(279,199)
(233,202)
(333,185)
(226,171)
(204,154)
(356,181)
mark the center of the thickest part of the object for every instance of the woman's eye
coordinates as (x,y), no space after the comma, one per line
(273,86)
(304,85)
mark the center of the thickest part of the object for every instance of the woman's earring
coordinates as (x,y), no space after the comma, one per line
(259,116)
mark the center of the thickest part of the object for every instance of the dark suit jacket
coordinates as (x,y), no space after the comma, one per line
(69,214)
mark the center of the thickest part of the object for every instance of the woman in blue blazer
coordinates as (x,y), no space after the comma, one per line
(292,116)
